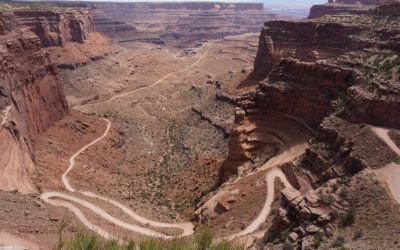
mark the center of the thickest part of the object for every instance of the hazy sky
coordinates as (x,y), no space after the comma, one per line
(294,3)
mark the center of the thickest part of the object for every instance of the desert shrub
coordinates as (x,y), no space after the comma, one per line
(344,192)
(318,239)
(326,199)
(333,214)
(349,218)
(339,242)
(287,246)
(335,187)
(358,234)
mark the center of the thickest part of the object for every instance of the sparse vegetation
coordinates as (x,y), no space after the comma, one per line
(335,187)
(344,193)
(87,240)
(349,218)
(339,242)
(358,234)
(376,68)
(287,246)
(333,214)
(326,199)
(318,240)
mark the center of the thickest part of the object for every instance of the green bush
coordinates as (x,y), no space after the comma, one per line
(335,187)
(349,218)
(87,240)
(318,240)
(326,199)
(339,242)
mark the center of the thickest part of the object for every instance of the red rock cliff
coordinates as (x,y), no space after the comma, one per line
(306,41)
(31,95)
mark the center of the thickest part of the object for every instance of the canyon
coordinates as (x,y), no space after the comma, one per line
(162,120)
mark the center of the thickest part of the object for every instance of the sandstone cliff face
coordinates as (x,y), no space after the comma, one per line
(392,9)
(55,29)
(31,96)
(303,89)
(306,41)
(373,107)
(312,70)
(317,11)
(338,75)
(345,6)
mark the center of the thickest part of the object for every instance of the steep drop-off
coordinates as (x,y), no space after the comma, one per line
(31,95)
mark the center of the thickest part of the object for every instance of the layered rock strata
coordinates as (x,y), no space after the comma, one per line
(338,76)
(31,95)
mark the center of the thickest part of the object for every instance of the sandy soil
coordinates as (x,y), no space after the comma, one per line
(12,242)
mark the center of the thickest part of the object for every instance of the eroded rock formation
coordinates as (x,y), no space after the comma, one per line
(338,76)
(177,24)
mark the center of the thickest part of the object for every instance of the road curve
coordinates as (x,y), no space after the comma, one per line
(187,228)
(72,159)
(391,172)
(48,197)
(275,172)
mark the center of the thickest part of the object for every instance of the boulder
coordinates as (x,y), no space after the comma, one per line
(293,237)
(290,194)
(312,197)
(323,219)
(313,229)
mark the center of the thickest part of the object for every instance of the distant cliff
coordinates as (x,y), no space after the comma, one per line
(179,24)
(345,6)
(168,5)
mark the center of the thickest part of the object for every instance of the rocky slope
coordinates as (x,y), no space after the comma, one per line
(31,95)
(338,76)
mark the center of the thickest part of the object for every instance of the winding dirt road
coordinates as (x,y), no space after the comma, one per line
(270,177)
(187,228)
(286,153)
(391,172)
(153,84)
(68,200)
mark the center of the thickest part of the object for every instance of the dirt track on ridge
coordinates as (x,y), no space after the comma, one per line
(391,172)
